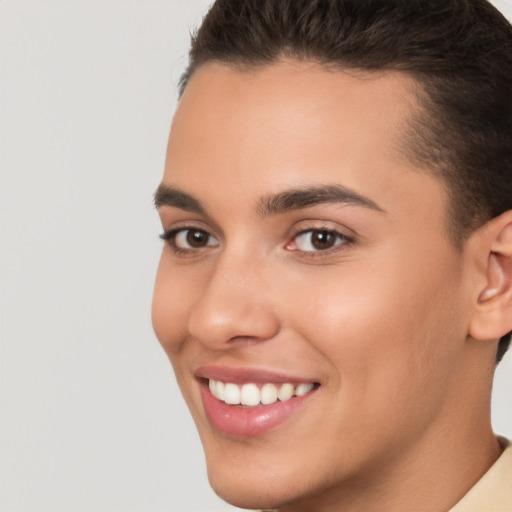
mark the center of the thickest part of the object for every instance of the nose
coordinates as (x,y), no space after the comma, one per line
(236,305)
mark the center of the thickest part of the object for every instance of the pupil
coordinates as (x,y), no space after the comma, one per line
(197,238)
(323,240)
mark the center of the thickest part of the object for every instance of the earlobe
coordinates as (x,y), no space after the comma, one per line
(493,313)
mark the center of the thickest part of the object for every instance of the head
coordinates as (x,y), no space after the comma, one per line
(337,202)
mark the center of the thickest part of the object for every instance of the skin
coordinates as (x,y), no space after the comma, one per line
(393,321)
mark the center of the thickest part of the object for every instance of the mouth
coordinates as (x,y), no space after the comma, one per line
(252,394)
(250,403)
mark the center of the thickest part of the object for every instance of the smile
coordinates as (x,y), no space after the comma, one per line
(252,394)
(247,403)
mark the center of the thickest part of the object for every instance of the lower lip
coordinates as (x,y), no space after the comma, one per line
(240,421)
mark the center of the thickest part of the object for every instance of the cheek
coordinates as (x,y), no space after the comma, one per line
(173,295)
(387,329)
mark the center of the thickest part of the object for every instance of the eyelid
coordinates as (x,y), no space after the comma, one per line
(169,237)
(174,218)
(179,225)
(312,226)
(322,225)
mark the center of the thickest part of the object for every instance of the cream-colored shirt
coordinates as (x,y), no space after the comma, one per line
(493,492)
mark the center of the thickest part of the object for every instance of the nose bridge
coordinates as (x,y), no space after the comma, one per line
(235,303)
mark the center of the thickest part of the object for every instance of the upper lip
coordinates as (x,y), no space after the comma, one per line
(240,375)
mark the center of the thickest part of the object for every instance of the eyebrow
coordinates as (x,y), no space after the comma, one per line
(275,204)
(304,197)
(169,196)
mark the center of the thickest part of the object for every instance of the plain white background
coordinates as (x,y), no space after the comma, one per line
(90,415)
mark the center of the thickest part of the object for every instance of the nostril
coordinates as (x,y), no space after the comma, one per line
(247,340)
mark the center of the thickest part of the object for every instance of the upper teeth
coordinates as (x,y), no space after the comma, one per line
(251,394)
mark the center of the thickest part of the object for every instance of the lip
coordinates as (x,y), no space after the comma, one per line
(241,421)
(238,375)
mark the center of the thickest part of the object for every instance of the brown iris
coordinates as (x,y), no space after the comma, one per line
(323,240)
(197,238)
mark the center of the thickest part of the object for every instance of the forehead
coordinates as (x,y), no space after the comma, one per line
(291,123)
(290,91)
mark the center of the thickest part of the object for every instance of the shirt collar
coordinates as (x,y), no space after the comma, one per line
(494,490)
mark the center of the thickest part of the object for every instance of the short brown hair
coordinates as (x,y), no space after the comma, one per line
(459,52)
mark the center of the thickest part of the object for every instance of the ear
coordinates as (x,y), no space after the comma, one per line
(492,316)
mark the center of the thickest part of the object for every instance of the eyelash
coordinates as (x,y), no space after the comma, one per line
(170,238)
(342,240)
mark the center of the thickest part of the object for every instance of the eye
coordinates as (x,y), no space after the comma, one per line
(189,239)
(316,240)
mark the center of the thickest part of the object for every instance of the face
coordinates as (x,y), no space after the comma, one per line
(306,271)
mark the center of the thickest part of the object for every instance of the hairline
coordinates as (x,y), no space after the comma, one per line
(413,144)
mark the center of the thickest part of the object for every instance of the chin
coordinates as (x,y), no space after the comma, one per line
(256,484)
(254,501)
(249,495)
(243,486)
